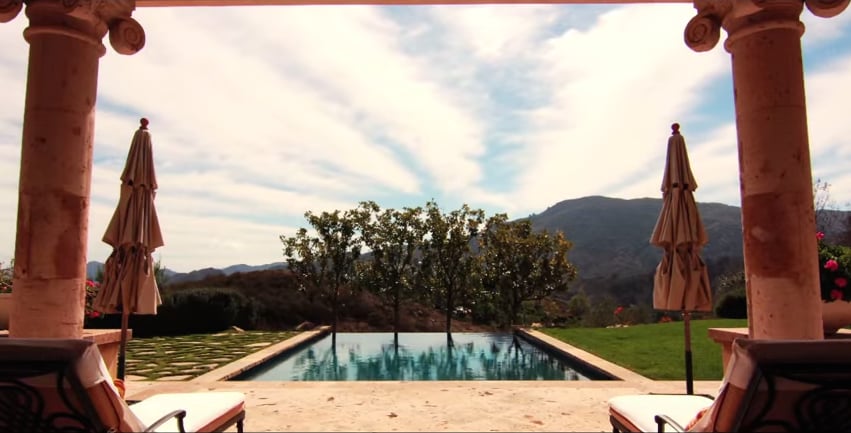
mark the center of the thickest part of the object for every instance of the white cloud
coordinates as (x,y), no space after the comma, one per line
(260,114)
(615,89)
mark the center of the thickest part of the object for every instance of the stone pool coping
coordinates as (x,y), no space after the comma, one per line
(233,369)
(428,406)
(243,364)
(596,362)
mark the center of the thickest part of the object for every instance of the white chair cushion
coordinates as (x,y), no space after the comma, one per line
(642,409)
(202,409)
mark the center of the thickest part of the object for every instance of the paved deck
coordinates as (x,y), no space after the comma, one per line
(480,406)
(459,406)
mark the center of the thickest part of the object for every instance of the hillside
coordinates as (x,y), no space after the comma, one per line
(611,237)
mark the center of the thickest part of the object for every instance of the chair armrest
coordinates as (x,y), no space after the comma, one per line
(179,414)
(662,420)
(711,397)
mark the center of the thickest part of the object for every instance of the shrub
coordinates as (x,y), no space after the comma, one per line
(732,305)
(191,311)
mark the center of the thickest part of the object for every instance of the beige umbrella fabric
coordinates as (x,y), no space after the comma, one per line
(681,282)
(129,285)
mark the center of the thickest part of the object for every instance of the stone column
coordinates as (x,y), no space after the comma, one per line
(778,219)
(56,156)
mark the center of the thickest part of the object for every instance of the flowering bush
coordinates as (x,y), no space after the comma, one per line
(5,279)
(834,267)
(91,291)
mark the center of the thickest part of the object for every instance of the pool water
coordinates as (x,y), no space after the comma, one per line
(421,357)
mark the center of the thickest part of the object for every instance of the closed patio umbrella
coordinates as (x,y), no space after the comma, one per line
(681,282)
(129,285)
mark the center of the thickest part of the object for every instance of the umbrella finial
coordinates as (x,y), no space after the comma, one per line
(144,123)
(675,129)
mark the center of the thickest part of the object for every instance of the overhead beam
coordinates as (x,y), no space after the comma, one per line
(166,3)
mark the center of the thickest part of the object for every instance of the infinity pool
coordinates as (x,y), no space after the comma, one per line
(422,357)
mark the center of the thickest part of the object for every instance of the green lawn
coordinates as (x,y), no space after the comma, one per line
(654,350)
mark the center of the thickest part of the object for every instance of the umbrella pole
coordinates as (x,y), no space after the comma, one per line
(122,350)
(689,372)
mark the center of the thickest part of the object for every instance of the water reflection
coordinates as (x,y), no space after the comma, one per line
(416,357)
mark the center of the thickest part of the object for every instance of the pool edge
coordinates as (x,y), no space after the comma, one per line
(607,367)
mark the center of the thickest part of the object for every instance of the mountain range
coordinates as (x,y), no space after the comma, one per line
(610,236)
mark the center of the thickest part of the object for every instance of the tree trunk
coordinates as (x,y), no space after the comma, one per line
(449,306)
(334,313)
(396,303)
(514,309)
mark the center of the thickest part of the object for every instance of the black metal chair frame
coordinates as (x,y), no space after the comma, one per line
(23,408)
(826,407)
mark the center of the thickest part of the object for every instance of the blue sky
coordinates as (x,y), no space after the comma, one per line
(259,114)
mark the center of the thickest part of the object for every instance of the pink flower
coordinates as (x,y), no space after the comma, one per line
(835,294)
(819,236)
(94,314)
(840,282)
(831,265)
(618,310)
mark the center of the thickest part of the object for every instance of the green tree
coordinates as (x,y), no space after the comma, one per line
(393,238)
(602,312)
(159,273)
(577,307)
(324,263)
(521,264)
(447,256)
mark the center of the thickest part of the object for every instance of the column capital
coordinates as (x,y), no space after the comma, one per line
(87,20)
(9,9)
(744,17)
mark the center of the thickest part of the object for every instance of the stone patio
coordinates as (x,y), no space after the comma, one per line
(474,406)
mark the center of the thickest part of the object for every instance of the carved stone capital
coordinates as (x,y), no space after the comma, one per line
(741,18)
(9,9)
(826,8)
(88,20)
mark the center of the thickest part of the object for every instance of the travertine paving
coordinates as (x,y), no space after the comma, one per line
(475,406)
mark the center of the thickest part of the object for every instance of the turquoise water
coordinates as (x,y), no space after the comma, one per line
(419,357)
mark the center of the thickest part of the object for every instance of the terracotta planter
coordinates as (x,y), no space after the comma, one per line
(5,309)
(835,315)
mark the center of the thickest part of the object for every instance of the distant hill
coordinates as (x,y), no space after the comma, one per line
(93,267)
(248,268)
(611,237)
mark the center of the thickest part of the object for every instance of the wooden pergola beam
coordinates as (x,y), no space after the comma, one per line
(167,3)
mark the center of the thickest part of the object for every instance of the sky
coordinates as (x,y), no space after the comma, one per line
(259,114)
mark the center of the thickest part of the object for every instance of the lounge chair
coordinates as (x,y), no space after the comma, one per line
(63,385)
(771,385)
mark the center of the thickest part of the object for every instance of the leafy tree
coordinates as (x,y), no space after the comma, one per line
(324,263)
(602,312)
(521,264)
(577,307)
(393,238)
(731,297)
(159,273)
(447,256)
(822,203)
